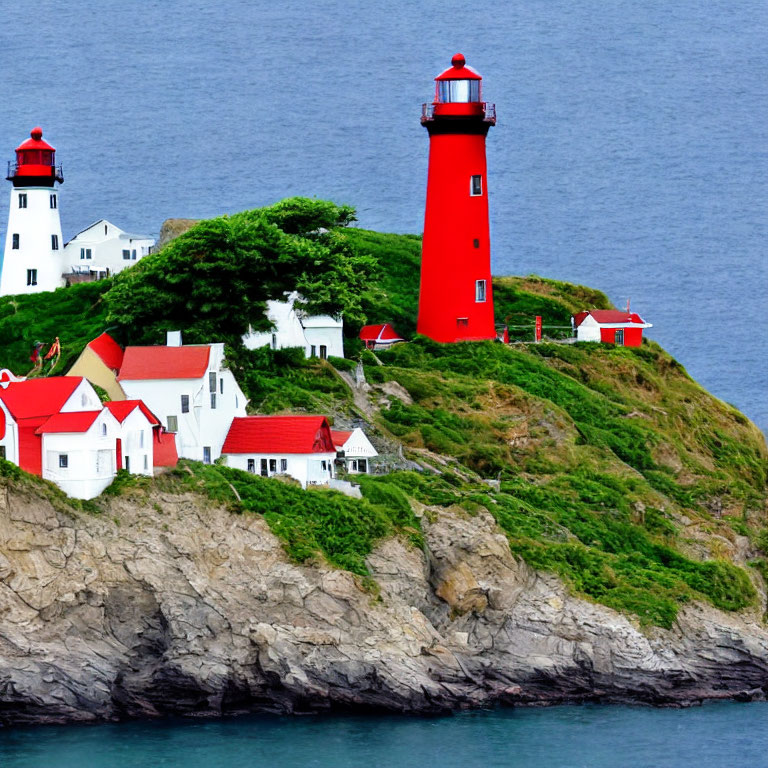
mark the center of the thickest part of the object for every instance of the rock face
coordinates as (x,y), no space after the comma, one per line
(167,605)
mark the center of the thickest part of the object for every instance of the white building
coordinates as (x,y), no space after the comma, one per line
(32,260)
(135,436)
(298,446)
(57,428)
(104,248)
(189,389)
(318,335)
(356,448)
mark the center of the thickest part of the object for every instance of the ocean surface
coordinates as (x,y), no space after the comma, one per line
(712,736)
(631,151)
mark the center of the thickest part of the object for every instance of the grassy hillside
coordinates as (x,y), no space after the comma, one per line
(609,466)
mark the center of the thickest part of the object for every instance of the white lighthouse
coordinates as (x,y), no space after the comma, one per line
(33,256)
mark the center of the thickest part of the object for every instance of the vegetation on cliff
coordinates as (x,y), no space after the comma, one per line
(607,465)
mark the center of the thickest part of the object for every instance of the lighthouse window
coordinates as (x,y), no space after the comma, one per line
(54,204)
(54,242)
(476,186)
(22,200)
(458,91)
(479,291)
(126,254)
(15,242)
(31,277)
(475,243)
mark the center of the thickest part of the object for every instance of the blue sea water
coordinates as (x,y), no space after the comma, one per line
(712,736)
(631,152)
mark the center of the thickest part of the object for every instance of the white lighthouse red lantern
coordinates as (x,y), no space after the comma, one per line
(33,256)
(455,298)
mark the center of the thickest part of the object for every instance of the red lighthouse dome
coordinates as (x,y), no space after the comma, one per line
(455,296)
(35,164)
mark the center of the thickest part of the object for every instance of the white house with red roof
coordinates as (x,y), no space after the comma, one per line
(318,335)
(380,336)
(57,428)
(139,432)
(299,446)
(190,391)
(355,449)
(611,326)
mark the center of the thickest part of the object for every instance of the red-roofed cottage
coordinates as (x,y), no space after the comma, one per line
(355,449)
(299,446)
(380,336)
(190,391)
(141,441)
(58,429)
(612,326)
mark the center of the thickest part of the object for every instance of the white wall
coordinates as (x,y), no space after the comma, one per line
(106,248)
(84,398)
(589,330)
(34,224)
(307,468)
(203,426)
(135,434)
(90,458)
(11,439)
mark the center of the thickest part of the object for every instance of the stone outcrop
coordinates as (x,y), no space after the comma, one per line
(168,605)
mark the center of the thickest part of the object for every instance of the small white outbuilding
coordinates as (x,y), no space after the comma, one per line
(355,450)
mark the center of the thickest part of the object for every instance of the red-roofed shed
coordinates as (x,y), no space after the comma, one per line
(379,336)
(611,326)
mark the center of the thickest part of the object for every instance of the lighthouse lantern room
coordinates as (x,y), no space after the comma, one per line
(455,298)
(33,256)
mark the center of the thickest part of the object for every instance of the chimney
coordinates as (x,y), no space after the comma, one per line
(173,339)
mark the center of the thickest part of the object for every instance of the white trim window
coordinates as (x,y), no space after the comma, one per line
(476,186)
(480,292)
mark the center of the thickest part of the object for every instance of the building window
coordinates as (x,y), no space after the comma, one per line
(206,454)
(313,351)
(273,465)
(475,243)
(323,465)
(221,386)
(103,430)
(283,465)
(361,465)
(133,255)
(212,381)
(185,403)
(105,232)
(146,462)
(2,451)
(476,186)
(264,472)
(141,439)
(54,242)
(31,277)
(22,200)
(274,341)
(85,253)
(63,461)
(323,352)
(213,400)
(252,466)
(619,337)
(53,202)
(15,242)
(173,423)
(127,463)
(479,291)
(237,403)
(126,254)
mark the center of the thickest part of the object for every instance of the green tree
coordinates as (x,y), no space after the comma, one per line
(214,280)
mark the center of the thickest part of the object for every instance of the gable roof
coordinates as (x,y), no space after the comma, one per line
(148,363)
(108,351)
(381,332)
(608,316)
(72,421)
(39,397)
(340,437)
(121,409)
(279,434)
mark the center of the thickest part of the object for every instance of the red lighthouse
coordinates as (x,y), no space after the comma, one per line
(455,299)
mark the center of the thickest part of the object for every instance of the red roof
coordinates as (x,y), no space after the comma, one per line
(121,409)
(147,363)
(108,350)
(459,70)
(382,332)
(339,437)
(279,434)
(608,316)
(35,141)
(72,421)
(164,449)
(38,397)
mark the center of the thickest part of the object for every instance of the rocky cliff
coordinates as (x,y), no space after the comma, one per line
(167,604)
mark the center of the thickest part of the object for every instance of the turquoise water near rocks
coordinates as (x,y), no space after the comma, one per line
(713,736)
(631,152)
